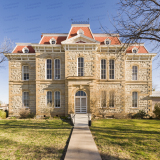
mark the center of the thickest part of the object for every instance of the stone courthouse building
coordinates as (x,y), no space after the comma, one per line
(80,72)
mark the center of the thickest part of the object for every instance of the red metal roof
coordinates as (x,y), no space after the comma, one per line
(114,40)
(59,39)
(86,30)
(141,49)
(18,49)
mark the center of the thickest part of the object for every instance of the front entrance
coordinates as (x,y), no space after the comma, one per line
(80,102)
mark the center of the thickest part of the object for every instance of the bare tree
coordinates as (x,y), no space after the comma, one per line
(139,20)
(154,87)
(6,47)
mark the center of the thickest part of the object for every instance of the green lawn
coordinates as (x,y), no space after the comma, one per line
(33,139)
(127,139)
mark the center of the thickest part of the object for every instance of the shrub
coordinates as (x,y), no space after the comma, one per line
(2,114)
(140,115)
(157,110)
(25,113)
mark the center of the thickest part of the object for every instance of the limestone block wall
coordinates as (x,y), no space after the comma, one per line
(144,70)
(15,98)
(41,104)
(41,64)
(15,70)
(118,96)
(119,71)
(72,62)
(142,90)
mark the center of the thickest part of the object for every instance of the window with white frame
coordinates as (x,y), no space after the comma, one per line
(49,69)
(134,99)
(80,66)
(103,69)
(111,69)
(25,50)
(25,72)
(26,99)
(49,98)
(52,41)
(111,99)
(107,41)
(103,99)
(57,99)
(56,69)
(134,72)
(135,50)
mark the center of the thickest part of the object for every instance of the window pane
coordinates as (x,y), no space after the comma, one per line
(134,73)
(49,69)
(26,99)
(80,66)
(103,69)
(49,98)
(111,69)
(103,99)
(57,99)
(111,99)
(134,99)
(25,73)
(57,69)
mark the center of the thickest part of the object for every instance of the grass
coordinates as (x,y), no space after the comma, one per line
(127,139)
(33,139)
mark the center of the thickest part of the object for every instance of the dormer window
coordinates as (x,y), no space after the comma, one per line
(107,41)
(25,50)
(80,31)
(135,50)
(52,41)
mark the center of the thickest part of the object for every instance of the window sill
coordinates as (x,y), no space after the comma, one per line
(57,107)
(134,107)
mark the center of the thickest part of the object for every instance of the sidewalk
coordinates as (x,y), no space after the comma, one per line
(82,145)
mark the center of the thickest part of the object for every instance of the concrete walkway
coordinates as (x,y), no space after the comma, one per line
(82,145)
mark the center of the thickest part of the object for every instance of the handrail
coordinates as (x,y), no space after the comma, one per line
(73,117)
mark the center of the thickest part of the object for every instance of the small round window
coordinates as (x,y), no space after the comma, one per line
(134,50)
(53,42)
(107,42)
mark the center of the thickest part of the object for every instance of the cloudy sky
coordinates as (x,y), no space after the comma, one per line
(24,21)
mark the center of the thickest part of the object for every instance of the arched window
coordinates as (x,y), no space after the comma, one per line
(111,99)
(49,98)
(103,69)
(111,69)
(57,69)
(80,93)
(134,72)
(134,99)
(57,99)
(80,66)
(49,69)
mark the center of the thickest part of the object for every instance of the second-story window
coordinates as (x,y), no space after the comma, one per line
(80,66)
(49,69)
(103,69)
(25,73)
(56,69)
(111,69)
(134,73)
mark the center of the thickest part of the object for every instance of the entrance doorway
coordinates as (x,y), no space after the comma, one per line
(80,102)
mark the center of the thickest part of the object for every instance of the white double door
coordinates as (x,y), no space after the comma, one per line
(80,104)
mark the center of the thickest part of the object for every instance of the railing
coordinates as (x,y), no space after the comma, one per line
(73,117)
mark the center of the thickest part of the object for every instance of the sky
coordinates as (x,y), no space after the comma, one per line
(24,21)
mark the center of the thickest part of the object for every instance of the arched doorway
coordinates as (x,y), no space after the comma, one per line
(80,102)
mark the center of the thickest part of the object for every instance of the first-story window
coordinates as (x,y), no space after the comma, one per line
(134,99)
(57,99)
(26,99)
(103,69)
(111,99)
(80,66)
(103,99)
(25,72)
(49,98)
(56,69)
(134,73)
(111,69)
(49,69)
